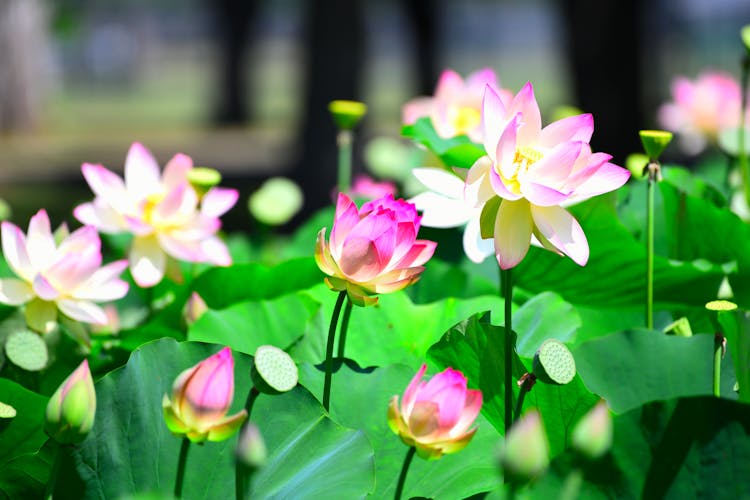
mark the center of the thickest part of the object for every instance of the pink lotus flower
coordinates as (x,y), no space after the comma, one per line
(372,250)
(456,106)
(701,109)
(435,416)
(366,187)
(71,410)
(162,211)
(68,277)
(534,170)
(201,397)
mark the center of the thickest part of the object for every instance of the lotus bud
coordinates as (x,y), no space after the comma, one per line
(194,308)
(525,453)
(251,448)
(592,436)
(435,416)
(201,397)
(72,408)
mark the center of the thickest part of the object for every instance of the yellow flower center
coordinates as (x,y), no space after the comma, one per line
(149,205)
(464,119)
(524,158)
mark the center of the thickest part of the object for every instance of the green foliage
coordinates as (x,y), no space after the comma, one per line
(453,152)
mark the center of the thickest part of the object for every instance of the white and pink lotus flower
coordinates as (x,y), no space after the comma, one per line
(66,277)
(163,211)
(456,106)
(523,182)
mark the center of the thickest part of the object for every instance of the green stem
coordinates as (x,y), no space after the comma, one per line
(344,328)
(718,351)
(525,388)
(507,282)
(404,469)
(251,397)
(344,140)
(571,489)
(742,153)
(184,447)
(60,457)
(329,351)
(650,250)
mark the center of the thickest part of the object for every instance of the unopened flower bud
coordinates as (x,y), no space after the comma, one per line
(592,436)
(525,453)
(72,408)
(251,448)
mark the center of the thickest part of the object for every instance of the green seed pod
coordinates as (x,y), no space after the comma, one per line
(27,350)
(654,142)
(347,114)
(273,370)
(203,178)
(554,363)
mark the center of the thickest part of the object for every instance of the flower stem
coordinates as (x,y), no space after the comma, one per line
(404,469)
(241,474)
(526,383)
(507,283)
(60,457)
(718,354)
(184,447)
(329,351)
(652,177)
(571,488)
(344,141)
(741,152)
(344,328)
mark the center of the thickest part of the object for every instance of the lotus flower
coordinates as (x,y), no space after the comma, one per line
(201,397)
(701,109)
(534,170)
(456,106)
(435,416)
(448,204)
(368,188)
(68,277)
(372,250)
(163,212)
(72,408)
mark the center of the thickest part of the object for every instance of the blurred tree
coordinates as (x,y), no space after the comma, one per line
(24,52)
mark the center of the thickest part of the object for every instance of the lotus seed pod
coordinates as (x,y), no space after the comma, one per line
(27,350)
(251,448)
(273,371)
(276,201)
(202,179)
(636,163)
(525,453)
(721,306)
(592,436)
(680,328)
(347,114)
(654,142)
(554,363)
(7,411)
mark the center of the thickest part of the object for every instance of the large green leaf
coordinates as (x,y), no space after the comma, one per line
(457,151)
(476,348)
(634,367)
(736,328)
(395,330)
(695,447)
(697,228)
(26,476)
(131,451)
(543,317)
(24,433)
(247,325)
(615,274)
(359,399)
(221,287)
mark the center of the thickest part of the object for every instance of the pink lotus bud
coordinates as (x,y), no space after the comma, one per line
(373,249)
(435,416)
(201,397)
(72,408)
(194,308)
(366,187)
